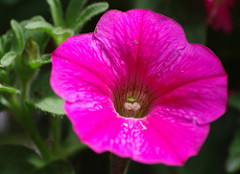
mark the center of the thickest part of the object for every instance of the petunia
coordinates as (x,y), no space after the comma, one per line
(137,88)
(218,15)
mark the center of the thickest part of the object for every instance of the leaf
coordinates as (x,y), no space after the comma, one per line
(16,159)
(56,167)
(41,61)
(40,25)
(43,97)
(19,36)
(39,36)
(56,12)
(6,43)
(233,161)
(189,13)
(8,58)
(234,101)
(60,34)
(73,11)
(89,12)
(8,89)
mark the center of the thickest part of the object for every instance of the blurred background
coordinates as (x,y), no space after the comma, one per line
(221,152)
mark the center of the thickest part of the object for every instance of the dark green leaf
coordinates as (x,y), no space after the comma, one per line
(16,159)
(19,36)
(89,12)
(8,58)
(73,11)
(56,167)
(234,101)
(233,162)
(8,89)
(56,12)
(43,97)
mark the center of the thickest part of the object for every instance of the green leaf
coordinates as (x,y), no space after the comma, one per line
(234,101)
(189,13)
(56,167)
(6,43)
(56,12)
(43,97)
(8,89)
(16,159)
(233,161)
(60,34)
(19,36)
(8,58)
(40,25)
(39,36)
(89,12)
(41,61)
(73,11)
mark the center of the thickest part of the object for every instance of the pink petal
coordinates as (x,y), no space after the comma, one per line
(155,139)
(138,37)
(192,83)
(90,113)
(80,65)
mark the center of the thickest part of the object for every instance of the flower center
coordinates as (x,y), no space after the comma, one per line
(132,101)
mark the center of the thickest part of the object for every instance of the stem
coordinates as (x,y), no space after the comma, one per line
(34,134)
(56,132)
(23,113)
(118,165)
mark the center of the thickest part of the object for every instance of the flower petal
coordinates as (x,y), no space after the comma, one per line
(138,37)
(193,85)
(151,140)
(80,65)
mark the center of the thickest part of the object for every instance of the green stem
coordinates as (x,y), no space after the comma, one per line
(56,128)
(34,134)
(24,113)
(118,165)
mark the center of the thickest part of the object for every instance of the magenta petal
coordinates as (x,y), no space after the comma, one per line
(176,88)
(79,65)
(154,140)
(193,85)
(138,37)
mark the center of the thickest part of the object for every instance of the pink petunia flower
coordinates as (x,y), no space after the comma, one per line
(218,15)
(137,88)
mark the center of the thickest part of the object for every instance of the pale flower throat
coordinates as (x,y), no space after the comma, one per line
(132,102)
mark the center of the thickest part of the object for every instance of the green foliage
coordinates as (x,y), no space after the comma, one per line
(43,97)
(19,36)
(56,12)
(89,12)
(8,89)
(16,159)
(8,58)
(56,167)
(233,161)
(234,101)
(73,12)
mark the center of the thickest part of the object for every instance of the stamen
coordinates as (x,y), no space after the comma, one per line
(136,106)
